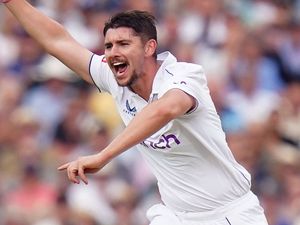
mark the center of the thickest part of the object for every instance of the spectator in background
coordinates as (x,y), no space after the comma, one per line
(232,120)
(33,198)
(54,90)
(30,55)
(251,58)
(289,113)
(252,103)
(203,23)
(289,52)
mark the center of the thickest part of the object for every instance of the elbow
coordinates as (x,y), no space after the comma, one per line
(167,113)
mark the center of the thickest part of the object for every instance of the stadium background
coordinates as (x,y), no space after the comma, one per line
(250,51)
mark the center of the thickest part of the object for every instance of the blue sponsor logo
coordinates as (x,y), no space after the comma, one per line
(166,141)
(129,110)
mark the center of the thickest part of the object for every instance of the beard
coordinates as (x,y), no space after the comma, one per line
(130,82)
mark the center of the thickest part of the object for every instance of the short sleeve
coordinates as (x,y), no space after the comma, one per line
(101,74)
(191,79)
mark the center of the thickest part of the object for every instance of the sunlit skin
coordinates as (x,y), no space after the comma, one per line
(123,46)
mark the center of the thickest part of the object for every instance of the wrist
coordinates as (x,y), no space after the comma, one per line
(104,157)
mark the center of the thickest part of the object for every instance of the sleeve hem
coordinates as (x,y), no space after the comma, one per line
(90,73)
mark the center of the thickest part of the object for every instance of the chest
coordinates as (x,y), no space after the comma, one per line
(164,140)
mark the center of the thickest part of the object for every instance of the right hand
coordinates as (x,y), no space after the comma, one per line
(4,1)
(81,166)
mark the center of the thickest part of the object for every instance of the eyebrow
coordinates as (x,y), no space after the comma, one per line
(118,42)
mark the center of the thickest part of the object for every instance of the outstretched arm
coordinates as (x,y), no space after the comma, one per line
(152,118)
(52,37)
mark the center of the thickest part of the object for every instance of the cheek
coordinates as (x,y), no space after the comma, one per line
(139,64)
(139,56)
(137,51)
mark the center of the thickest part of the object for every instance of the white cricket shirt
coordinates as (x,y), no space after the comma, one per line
(190,158)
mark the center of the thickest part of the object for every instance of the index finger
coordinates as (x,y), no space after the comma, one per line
(63,167)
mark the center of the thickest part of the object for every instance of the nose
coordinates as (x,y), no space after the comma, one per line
(113,51)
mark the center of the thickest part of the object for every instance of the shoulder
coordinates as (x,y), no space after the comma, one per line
(101,74)
(98,59)
(180,68)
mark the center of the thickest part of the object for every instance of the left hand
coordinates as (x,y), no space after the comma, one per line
(81,166)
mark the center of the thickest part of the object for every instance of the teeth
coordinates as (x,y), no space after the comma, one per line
(118,63)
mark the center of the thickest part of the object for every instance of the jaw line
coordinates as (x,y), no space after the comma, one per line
(129,82)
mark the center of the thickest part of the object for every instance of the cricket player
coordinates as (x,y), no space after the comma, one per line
(169,117)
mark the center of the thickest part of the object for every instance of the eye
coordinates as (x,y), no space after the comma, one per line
(108,46)
(124,43)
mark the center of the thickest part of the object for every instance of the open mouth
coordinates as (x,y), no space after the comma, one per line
(120,68)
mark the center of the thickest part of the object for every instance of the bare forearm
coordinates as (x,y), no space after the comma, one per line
(52,37)
(141,127)
(40,27)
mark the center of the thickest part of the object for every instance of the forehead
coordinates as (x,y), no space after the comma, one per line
(120,33)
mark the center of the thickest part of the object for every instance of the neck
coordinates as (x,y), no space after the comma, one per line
(143,86)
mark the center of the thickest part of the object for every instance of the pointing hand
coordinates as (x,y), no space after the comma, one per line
(81,166)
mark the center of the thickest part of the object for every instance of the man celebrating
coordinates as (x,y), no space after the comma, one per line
(169,117)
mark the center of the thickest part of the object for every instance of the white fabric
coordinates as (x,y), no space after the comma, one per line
(243,211)
(190,158)
(161,215)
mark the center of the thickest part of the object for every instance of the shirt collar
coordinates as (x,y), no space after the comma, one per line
(167,58)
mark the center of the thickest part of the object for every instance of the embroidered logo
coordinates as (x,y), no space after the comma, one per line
(129,110)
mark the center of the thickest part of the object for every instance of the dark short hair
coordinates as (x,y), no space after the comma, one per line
(142,22)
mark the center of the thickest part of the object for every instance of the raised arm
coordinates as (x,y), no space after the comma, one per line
(151,119)
(52,37)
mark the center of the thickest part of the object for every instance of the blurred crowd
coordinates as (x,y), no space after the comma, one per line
(250,51)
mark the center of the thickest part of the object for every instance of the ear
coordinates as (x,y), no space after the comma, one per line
(150,47)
